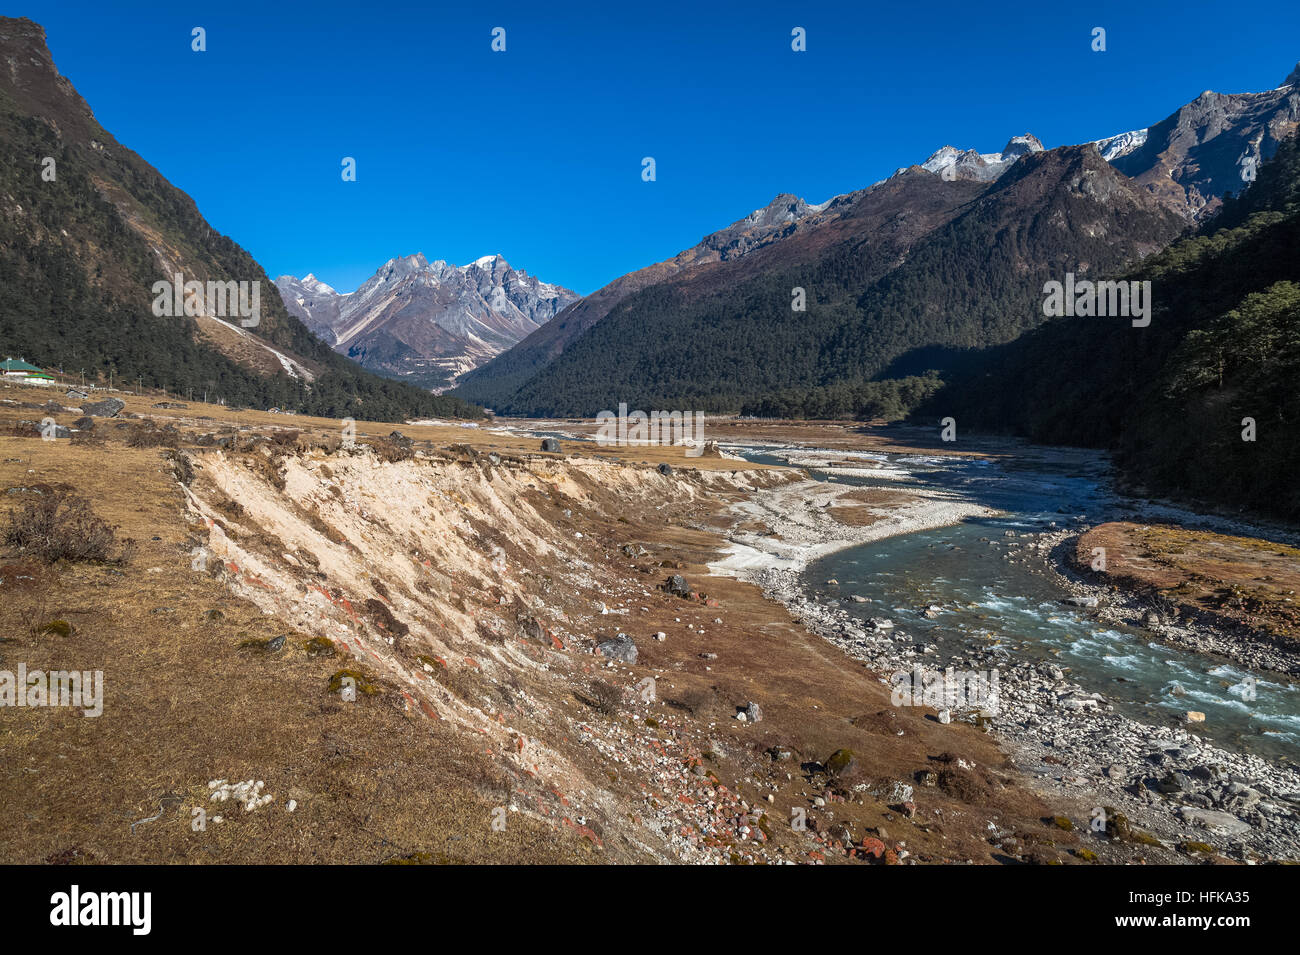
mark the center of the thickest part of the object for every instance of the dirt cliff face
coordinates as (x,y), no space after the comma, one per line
(476,591)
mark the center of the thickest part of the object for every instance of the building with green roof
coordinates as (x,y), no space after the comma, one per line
(15,369)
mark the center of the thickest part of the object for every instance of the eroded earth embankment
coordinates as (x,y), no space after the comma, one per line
(414,647)
(480,592)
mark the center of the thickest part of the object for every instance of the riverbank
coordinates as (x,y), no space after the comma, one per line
(1071,744)
(791,526)
(441,644)
(1233,599)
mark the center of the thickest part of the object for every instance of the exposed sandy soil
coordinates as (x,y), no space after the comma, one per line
(425,575)
(793,525)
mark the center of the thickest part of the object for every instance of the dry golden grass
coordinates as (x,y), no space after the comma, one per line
(191,696)
(855,516)
(184,705)
(1239,579)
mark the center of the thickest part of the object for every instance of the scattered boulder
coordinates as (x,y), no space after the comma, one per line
(842,764)
(899,792)
(550,445)
(1175,782)
(108,408)
(1195,716)
(621,649)
(677,586)
(1213,820)
(665,469)
(751,712)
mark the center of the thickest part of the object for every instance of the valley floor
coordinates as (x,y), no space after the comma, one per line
(406,642)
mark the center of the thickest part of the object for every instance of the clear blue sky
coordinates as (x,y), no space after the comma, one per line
(536,153)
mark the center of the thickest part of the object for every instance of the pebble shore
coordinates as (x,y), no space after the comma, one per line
(1071,744)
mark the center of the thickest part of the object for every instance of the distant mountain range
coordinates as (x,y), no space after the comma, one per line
(902,276)
(427,322)
(1200,404)
(87,228)
(943,255)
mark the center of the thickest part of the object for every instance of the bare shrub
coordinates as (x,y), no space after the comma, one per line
(25,429)
(146,434)
(693,701)
(61,525)
(604,697)
(392,451)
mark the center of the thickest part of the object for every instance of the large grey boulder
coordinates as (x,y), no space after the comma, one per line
(108,408)
(1213,820)
(677,586)
(621,649)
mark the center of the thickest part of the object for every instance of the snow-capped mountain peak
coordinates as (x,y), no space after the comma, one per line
(427,321)
(1113,147)
(310,281)
(949,162)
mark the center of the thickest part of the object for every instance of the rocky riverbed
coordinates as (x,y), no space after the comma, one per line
(1072,744)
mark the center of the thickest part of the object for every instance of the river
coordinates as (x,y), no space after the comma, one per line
(984,597)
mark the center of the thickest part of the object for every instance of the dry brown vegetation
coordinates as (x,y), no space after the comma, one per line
(204,680)
(1239,580)
(56,523)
